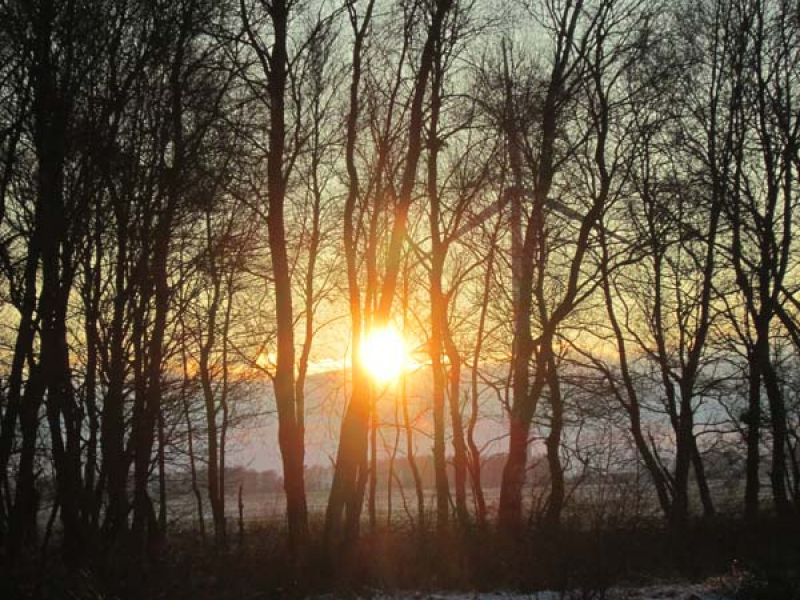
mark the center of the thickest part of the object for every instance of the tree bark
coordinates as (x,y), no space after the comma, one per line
(290,434)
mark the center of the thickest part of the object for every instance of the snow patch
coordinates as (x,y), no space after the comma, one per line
(679,591)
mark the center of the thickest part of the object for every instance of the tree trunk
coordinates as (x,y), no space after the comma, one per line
(555,502)
(439,383)
(752,420)
(290,435)
(112,439)
(215,494)
(50,124)
(474,451)
(372,507)
(352,438)
(630,401)
(702,481)
(459,445)
(350,474)
(24,512)
(22,349)
(777,417)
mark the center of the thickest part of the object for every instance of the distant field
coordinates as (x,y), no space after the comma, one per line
(588,502)
(268,506)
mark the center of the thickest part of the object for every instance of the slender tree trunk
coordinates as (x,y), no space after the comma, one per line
(22,349)
(346,469)
(50,124)
(555,502)
(190,447)
(290,435)
(112,438)
(459,445)
(162,474)
(683,458)
(630,400)
(350,474)
(474,451)
(92,298)
(24,513)
(753,421)
(702,481)
(777,417)
(146,536)
(215,494)
(439,383)
(412,461)
(526,395)
(392,457)
(373,464)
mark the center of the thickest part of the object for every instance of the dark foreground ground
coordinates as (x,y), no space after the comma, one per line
(756,562)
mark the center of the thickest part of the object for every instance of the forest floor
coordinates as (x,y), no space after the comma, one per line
(712,560)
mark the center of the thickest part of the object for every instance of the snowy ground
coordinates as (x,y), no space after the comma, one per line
(678,591)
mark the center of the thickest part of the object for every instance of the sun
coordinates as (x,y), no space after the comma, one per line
(383,354)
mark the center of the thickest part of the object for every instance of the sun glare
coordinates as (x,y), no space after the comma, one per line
(383,354)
